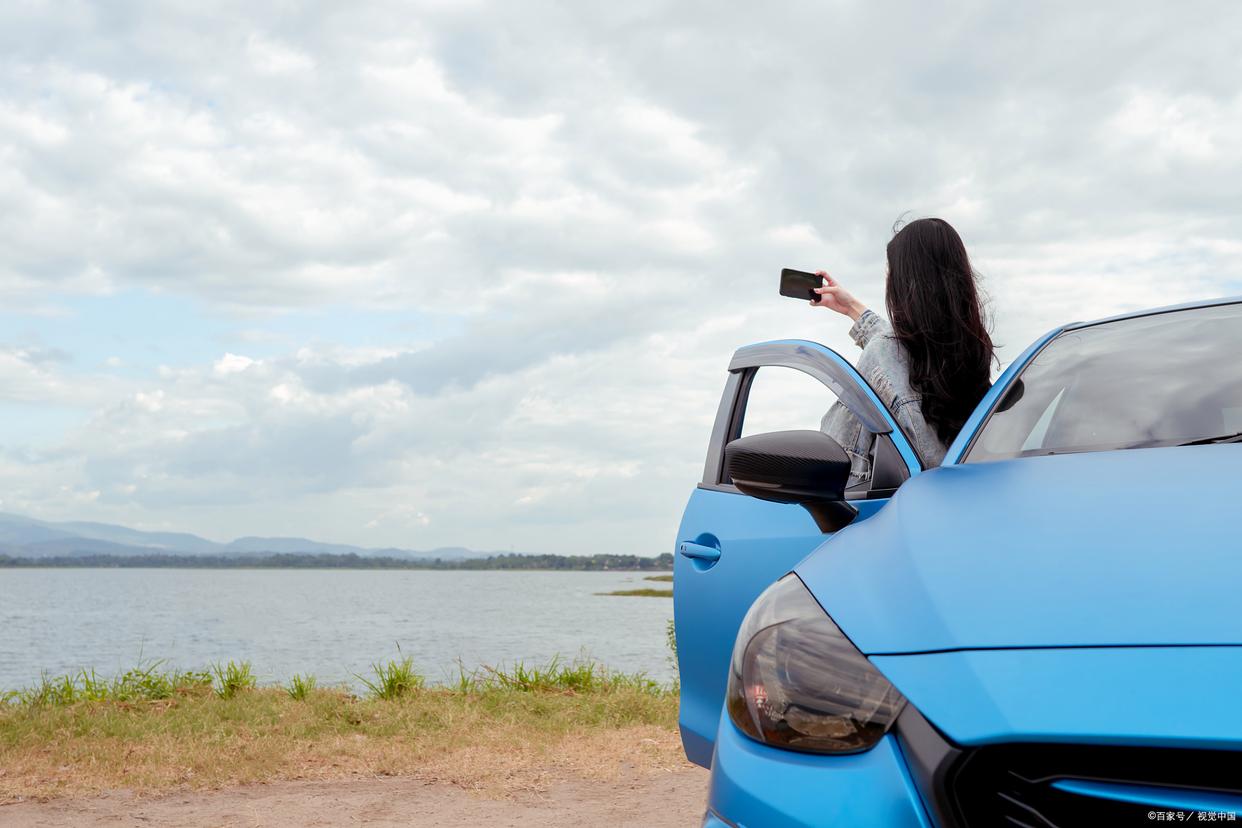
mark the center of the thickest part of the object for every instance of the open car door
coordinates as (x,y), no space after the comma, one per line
(730,547)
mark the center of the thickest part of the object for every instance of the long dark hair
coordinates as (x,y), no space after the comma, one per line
(937,315)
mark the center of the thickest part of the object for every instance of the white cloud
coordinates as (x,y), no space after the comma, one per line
(597,198)
(231,364)
(271,57)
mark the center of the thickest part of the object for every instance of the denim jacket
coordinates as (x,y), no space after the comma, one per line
(886,367)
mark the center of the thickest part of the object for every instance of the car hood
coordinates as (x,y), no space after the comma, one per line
(1168,696)
(1123,548)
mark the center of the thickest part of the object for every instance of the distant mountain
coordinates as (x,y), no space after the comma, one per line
(170,541)
(294,546)
(24,537)
(18,530)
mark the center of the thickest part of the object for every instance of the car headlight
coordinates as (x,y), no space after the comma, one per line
(797,682)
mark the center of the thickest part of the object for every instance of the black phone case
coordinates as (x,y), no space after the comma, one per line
(798,284)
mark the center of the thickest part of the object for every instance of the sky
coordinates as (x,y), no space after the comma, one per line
(469,273)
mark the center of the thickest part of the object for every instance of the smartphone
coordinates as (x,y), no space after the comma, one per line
(798,284)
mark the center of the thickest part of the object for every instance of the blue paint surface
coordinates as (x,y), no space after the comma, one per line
(757,786)
(1135,547)
(1158,798)
(1155,696)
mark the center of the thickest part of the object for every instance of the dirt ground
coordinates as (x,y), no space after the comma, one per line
(663,800)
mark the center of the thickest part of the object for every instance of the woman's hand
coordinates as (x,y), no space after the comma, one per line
(834,297)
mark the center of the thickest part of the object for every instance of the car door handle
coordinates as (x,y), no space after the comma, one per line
(700,552)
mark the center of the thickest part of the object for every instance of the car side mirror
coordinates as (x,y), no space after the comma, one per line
(804,467)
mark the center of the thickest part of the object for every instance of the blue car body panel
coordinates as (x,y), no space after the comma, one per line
(976,555)
(754,785)
(1167,696)
(1175,799)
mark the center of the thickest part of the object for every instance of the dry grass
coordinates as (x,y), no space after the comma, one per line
(480,735)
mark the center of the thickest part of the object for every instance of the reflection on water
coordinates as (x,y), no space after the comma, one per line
(331,623)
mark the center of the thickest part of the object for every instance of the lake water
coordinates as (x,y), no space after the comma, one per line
(331,623)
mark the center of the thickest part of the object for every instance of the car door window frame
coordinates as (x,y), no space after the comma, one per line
(835,373)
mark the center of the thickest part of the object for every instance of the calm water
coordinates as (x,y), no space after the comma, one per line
(329,623)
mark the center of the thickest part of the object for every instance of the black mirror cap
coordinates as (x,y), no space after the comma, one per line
(804,467)
(789,466)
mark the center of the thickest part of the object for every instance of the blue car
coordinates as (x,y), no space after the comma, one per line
(1045,630)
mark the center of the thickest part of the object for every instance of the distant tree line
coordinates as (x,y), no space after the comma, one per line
(286,560)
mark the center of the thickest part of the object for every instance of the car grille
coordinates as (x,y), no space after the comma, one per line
(1058,786)
(1065,786)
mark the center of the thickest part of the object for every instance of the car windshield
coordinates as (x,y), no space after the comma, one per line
(1165,379)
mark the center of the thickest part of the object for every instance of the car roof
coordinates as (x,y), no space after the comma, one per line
(1202,303)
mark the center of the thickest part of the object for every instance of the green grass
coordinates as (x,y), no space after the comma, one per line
(578,676)
(670,640)
(300,687)
(393,679)
(664,579)
(390,680)
(233,678)
(645,592)
(149,682)
(504,727)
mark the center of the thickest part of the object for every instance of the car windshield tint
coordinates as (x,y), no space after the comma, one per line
(1159,380)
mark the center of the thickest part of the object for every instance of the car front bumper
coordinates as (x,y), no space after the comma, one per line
(754,785)
(914,772)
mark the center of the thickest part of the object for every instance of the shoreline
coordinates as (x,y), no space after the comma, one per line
(273,568)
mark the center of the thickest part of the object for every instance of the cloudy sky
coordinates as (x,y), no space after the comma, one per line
(469,273)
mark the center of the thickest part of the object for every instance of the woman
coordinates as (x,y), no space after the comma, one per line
(932,364)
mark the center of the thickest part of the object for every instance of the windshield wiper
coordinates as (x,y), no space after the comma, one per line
(1224,438)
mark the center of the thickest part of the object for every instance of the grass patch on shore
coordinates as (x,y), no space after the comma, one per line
(496,729)
(664,579)
(393,679)
(233,678)
(644,592)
